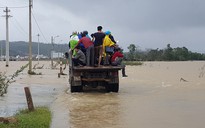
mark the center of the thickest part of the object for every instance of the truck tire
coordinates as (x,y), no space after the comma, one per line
(74,88)
(108,87)
(112,87)
(115,87)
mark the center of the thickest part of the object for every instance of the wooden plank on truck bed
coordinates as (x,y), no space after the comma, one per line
(89,68)
(95,79)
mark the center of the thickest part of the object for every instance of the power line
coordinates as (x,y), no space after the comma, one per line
(16,7)
(20,7)
(34,20)
(39,28)
(19,26)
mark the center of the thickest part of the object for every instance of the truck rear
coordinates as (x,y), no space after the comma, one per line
(105,76)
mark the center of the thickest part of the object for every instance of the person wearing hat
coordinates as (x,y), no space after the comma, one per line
(89,49)
(86,33)
(117,60)
(73,42)
(108,47)
(79,59)
(112,38)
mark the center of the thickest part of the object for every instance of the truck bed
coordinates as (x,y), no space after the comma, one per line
(100,68)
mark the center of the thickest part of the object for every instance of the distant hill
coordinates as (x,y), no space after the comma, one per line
(22,48)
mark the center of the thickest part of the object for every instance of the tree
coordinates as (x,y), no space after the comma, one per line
(154,55)
(132,52)
(168,54)
(181,54)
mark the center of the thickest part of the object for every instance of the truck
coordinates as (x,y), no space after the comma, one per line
(105,76)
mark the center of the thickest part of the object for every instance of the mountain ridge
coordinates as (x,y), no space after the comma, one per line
(21,48)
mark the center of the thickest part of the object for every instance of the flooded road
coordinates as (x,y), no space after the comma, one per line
(156,95)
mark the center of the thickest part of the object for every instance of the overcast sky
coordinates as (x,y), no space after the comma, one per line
(145,23)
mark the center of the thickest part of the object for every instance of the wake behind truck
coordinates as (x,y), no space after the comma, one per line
(106,76)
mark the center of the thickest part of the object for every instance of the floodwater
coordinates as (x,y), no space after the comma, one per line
(154,95)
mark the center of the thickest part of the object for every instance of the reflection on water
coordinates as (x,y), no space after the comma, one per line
(95,110)
(15,98)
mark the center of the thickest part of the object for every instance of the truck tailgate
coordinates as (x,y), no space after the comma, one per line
(100,68)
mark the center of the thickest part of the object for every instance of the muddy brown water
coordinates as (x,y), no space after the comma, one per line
(156,94)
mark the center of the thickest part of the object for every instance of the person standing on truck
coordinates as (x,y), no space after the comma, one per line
(89,48)
(97,38)
(117,60)
(79,59)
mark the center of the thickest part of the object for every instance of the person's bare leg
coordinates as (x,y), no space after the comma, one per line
(100,55)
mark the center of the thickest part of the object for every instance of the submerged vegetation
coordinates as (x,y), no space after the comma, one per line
(5,80)
(132,63)
(34,73)
(40,118)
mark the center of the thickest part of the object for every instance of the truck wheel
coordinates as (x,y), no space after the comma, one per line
(79,88)
(115,87)
(74,88)
(108,87)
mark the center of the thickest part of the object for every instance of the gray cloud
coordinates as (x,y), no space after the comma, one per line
(147,23)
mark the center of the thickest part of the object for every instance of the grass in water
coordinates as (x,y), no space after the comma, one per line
(132,63)
(40,118)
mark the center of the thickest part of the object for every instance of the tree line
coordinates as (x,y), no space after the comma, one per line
(134,53)
(166,54)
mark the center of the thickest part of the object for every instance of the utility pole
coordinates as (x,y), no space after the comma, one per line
(1,51)
(7,36)
(38,46)
(52,52)
(59,50)
(30,38)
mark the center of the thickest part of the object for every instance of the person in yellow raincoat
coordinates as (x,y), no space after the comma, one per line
(107,42)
